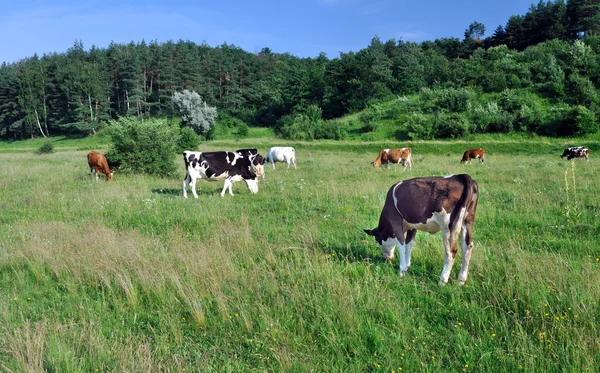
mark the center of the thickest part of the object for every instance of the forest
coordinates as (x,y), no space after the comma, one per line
(537,73)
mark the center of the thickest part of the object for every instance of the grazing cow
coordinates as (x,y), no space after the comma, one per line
(282,154)
(429,204)
(212,166)
(97,162)
(576,152)
(473,154)
(387,156)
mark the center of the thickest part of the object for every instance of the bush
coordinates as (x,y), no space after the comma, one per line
(454,99)
(188,139)
(452,126)
(146,147)
(371,118)
(46,148)
(510,100)
(332,130)
(419,127)
(578,121)
(242,130)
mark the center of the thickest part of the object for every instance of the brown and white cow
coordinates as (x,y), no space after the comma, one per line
(473,154)
(576,152)
(97,162)
(387,156)
(429,204)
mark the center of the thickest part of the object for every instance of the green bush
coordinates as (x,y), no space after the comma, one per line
(188,139)
(242,130)
(332,130)
(371,118)
(147,147)
(419,127)
(578,121)
(454,100)
(452,126)
(46,148)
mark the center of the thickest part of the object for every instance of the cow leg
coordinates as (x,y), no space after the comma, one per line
(288,162)
(294,162)
(273,163)
(226,186)
(185,184)
(410,242)
(401,244)
(193,186)
(448,256)
(96,172)
(467,247)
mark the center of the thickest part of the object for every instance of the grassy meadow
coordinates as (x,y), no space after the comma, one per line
(128,276)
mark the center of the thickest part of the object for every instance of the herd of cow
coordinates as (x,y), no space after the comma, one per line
(429,204)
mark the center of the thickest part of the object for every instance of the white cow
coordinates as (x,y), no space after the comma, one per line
(282,154)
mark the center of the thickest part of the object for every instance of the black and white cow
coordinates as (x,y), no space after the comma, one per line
(231,166)
(576,152)
(429,204)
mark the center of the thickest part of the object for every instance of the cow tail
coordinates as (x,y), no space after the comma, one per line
(467,199)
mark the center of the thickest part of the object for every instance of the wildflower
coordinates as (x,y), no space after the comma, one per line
(236,315)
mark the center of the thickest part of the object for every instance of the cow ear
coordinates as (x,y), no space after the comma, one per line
(369,232)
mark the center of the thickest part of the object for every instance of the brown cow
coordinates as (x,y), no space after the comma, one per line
(429,204)
(473,154)
(97,162)
(387,156)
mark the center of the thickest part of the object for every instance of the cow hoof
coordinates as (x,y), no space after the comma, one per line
(442,283)
(402,273)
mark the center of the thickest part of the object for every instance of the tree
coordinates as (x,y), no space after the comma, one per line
(195,113)
(584,17)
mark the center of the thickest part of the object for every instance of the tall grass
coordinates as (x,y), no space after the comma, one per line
(129,276)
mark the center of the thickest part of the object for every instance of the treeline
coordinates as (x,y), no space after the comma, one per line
(77,91)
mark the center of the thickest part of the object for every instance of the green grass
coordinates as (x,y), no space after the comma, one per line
(129,276)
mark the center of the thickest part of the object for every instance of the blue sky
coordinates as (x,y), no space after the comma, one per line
(302,28)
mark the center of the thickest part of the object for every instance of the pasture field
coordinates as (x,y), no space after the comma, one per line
(130,277)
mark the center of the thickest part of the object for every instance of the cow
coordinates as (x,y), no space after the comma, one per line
(473,154)
(576,152)
(387,156)
(429,204)
(282,154)
(212,166)
(97,162)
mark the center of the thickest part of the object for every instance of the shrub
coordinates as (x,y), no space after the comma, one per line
(578,121)
(242,130)
(188,139)
(453,99)
(146,147)
(332,130)
(581,90)
(371,118)
(510,100)
(46,148)
(452,126)
(419,127)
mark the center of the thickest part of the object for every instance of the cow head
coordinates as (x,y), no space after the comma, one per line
(109,176)
(386,243)
(257,161)
(252,185)
(565,153)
